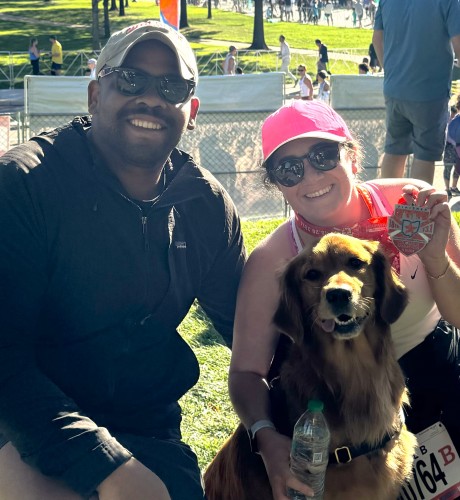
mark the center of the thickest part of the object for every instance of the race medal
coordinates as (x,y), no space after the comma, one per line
(410,228)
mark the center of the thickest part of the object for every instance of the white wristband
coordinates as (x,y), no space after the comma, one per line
(261,424)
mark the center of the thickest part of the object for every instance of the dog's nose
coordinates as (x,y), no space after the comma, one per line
(338,296)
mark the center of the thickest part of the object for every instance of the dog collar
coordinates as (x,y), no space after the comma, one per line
(344,454)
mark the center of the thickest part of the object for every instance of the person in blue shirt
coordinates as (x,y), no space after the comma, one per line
(413,41)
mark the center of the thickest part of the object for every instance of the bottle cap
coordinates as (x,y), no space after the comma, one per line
(315,405)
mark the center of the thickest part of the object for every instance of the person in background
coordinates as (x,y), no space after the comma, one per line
(56,56)
(109,234)
(450,157)
(92,68)
(324,86)
(285,56)
(34,56)
(305,83)
(311,157)
(229,63)
(359,10)
(323,56)
(373,61)
(363,69)
(288,10)
(328,10)
(416,93)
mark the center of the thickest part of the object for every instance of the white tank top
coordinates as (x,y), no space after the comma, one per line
(304,90)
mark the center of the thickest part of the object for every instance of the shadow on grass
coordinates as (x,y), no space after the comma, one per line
(206,335)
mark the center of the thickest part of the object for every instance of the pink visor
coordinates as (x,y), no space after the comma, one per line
(302,119)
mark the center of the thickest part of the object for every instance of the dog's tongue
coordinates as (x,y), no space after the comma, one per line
(328,325)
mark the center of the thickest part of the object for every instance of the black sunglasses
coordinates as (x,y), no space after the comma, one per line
(133,82)
(322,156)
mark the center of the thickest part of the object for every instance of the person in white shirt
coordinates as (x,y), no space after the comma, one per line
(92,68)
(229,64)
(285,56)
(305,83)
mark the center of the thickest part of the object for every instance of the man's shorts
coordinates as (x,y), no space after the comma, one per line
(416,127)
(56,66)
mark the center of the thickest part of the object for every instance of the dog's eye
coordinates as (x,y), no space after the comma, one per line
(312,275)
(355,263)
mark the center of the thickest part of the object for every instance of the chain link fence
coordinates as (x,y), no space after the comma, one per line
(227,144)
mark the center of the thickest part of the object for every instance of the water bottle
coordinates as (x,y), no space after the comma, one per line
(310,451)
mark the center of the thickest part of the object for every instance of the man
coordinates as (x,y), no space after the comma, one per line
(323,57)
(285,56)
(56,56)
(109,234)
(229,64)
(413,41)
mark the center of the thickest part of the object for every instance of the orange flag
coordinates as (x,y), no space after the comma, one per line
(170,12)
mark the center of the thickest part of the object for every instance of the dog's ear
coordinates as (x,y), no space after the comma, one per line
(391,295)
(288,317)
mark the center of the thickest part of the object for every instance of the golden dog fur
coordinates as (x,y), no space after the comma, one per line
(337,302)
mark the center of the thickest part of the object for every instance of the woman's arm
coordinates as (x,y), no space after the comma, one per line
(441,256)
(254,344)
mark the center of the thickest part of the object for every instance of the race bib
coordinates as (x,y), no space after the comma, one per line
(436,469)
(410,228)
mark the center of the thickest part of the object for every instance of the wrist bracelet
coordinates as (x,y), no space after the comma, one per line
(252,431)
(440,275)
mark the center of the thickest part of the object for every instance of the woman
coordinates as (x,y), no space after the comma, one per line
(305,83)
(34,56)
(324,87)
(311,157)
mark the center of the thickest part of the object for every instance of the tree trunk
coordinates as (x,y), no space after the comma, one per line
(258,37)
(209,9)
(183,22)
(126,3)
(113,6)
(122,8)
(96,44)
(106,19)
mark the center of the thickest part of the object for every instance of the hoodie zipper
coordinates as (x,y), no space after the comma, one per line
(144,220)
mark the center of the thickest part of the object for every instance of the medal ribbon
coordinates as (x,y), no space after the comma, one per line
(373,228)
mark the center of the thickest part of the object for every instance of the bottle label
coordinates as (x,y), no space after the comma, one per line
(317,458)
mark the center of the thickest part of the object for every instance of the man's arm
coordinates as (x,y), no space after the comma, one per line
(377,40)
(41,421)
(217,294)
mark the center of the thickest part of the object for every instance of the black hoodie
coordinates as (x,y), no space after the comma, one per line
(93,286)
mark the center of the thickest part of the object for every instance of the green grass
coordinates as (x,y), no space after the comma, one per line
(208,416)
(35,18)
(228,26)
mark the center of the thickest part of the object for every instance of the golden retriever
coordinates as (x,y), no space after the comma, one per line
(337,302)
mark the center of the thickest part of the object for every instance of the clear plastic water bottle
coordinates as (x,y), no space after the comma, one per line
(310,451)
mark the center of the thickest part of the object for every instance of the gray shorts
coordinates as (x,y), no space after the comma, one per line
(416,127)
